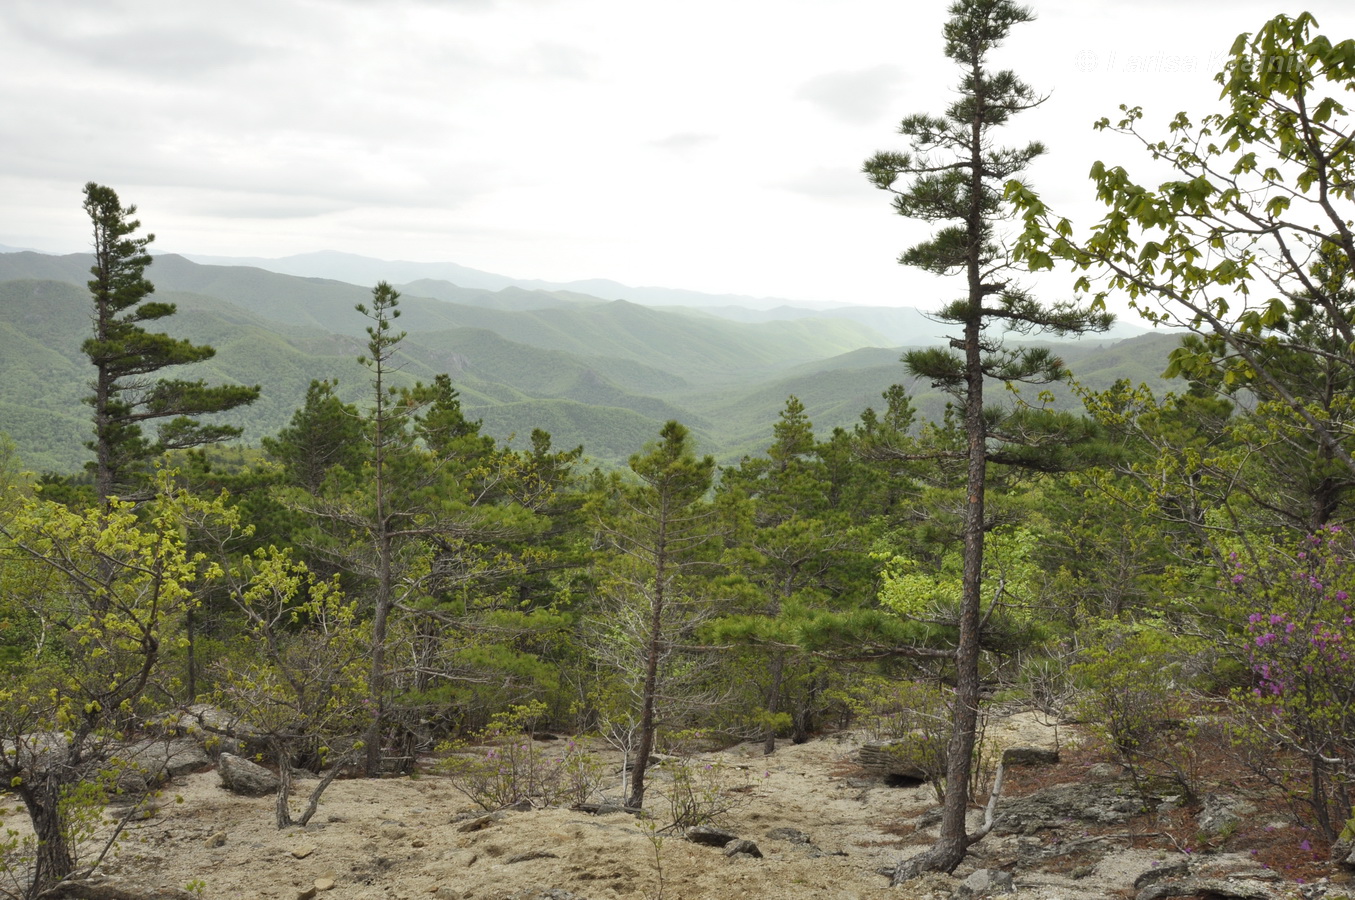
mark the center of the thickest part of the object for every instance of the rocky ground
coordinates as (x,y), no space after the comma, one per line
(824,828)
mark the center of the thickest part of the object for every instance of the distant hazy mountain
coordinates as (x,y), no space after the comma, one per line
(367,271)
(605,374)
(895,325)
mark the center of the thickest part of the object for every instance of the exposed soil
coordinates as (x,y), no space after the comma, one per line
(407,838)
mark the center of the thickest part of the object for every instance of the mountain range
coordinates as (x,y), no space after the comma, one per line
(601,371)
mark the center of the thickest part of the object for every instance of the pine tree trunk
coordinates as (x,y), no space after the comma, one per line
(377,680)
(953,840)
(652,652)
(283,806)
(774,701)
(648,692)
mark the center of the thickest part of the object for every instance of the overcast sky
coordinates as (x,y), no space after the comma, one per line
(713,145)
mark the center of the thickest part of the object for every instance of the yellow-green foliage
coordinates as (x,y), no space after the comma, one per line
(1012,590)
(1136,695)
(98,593)
(887,708)
(102,592)
(305,680)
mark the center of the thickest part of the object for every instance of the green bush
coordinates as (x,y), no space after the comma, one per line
(516,767)
(1137,694)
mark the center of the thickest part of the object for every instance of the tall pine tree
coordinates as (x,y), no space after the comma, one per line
(124,355)
(957,176)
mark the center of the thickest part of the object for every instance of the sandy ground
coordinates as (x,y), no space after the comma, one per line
(404,838)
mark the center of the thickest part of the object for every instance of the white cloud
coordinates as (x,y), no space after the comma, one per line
(858,96)
(710,145)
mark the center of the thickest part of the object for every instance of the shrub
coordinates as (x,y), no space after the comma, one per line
(1302,697)
(700,793)
(1136,695)
(516,767)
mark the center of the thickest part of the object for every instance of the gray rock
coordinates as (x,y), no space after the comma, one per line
(790,835)
(1030,756)
(218,730)
(1104,803)
(108,887)
(710,836)
(1342,852)
(531,855)
(986,883)
(1222,813)
(913,757)
(240,776)
(1233,889)
(1104,771)
(740,847)
(1160,873)
(1168,806)
(476,824)
(163,758)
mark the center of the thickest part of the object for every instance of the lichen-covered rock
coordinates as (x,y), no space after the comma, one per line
(142,765)
(986,883)
(1231,888)
(791,835)
(218,730)
(240,776)
(1222,813)
(1152,876)
(739,847)
(916,757)
(1030,756)
(709,835)
(1104,803)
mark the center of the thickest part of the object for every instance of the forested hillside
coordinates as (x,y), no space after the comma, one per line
(602,374)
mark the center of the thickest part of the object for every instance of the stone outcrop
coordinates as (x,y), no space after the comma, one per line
(709,835)
(1230,888)
(912,758)
(240,776)
(986,883)
(1030,756)
(218,731)
(741,847)
(1103,803)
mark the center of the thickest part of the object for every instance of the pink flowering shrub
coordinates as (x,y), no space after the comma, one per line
(1300,705)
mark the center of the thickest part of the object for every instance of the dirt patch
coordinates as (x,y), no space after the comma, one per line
(824,830)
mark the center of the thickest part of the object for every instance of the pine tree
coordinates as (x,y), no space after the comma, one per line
(799,554)
(325,432)
(958,177)
(124,354)
(659,537)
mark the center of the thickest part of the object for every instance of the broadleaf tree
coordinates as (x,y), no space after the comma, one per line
(96,596)
(956,176)
(1249,241)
